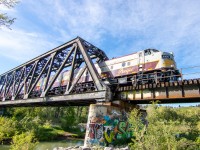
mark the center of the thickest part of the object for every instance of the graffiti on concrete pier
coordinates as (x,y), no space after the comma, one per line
(108,128)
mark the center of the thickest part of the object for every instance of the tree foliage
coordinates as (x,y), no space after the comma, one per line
(167,128)
(5,20)
(7,128)
(46,123)
(24,141)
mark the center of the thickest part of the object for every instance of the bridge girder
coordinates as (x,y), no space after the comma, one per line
(75,54)
(187,91)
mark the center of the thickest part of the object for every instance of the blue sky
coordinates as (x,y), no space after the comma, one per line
(118,27)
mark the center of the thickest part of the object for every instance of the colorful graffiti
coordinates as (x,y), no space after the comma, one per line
(108,129)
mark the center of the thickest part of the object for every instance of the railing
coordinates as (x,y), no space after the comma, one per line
(185,74)
(190,72)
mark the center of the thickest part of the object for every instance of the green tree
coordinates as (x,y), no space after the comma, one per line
(5,20)
(47,123)
(69,118)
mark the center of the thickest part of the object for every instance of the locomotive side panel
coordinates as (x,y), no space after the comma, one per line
(120,66)
(57,82)
(65,78)
(39,85)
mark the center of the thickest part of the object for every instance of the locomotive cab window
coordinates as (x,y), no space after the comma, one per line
(123,64)
(147,52)
(111,67)
(129,63)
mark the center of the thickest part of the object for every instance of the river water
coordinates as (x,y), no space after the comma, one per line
(51,145)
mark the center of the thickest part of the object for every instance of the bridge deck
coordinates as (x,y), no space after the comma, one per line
(186,91)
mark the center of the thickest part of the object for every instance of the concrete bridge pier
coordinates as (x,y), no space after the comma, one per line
(108,124)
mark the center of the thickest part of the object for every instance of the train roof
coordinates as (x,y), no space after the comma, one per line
(152,49)
(123,56)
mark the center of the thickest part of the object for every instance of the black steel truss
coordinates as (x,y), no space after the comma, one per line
(72,55)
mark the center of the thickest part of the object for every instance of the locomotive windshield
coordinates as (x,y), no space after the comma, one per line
(154,50)
(166,56)
(150,51)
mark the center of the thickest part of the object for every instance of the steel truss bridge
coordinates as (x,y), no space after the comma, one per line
(17,85)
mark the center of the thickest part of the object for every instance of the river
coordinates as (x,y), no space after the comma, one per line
(51,145)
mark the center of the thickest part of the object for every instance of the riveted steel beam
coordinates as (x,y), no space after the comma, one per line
(57,73)
(75,99)
(49,71)
(71,74)
(90,65)
(76,81)
(20,79)
(32,76)
(38,78)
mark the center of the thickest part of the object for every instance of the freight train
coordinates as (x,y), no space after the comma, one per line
(146,66)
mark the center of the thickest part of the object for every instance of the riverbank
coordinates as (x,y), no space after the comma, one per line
(69,135)
(52,144)
(92,148)
(53,134)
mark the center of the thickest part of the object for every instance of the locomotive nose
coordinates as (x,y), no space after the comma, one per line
(168,60)
(168,63)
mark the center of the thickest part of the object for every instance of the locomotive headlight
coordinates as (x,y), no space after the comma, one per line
(172,65)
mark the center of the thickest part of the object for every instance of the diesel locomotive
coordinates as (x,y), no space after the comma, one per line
(146,66)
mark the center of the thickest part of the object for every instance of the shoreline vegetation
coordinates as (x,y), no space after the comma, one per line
(166,127)
(26,126)
(59,137)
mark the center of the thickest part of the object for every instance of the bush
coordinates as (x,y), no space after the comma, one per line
(24,141)
(47,123)
(7,128)
(167,128)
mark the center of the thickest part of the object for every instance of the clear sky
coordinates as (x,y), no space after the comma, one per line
(118,27)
